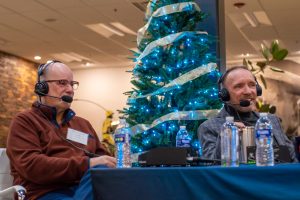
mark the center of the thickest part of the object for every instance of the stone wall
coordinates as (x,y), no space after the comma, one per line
(17,79)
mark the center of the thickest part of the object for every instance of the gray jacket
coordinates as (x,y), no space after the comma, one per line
(209,135)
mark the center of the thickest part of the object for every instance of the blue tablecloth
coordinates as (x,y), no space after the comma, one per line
(244,182)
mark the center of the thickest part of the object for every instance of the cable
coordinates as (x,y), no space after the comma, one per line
(89,154)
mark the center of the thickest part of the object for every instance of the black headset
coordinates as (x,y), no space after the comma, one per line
(224,93)
(41,88)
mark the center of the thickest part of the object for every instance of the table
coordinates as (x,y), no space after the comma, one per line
(214,182)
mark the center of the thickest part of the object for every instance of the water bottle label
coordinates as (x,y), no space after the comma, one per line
(183,143)
(120,138)
(263,133)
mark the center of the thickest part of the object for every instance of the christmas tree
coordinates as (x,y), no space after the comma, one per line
(174,77)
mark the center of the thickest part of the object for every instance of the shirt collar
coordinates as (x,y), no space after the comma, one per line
(50,113)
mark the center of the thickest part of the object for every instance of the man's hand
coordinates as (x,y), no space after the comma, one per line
(240,125)
(103,160)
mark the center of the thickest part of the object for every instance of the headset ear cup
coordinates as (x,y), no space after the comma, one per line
(41,88)
(258,90)
(224,94)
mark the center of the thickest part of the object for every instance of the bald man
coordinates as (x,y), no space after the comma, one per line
(238,85)
(50,149)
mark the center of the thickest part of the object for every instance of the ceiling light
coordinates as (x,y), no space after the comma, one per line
(243,55)
(37,57)
(135,49)
(69,57)
(123,28)
(262,18)
(112,30)
(251,19)
(87,63)
(104,30)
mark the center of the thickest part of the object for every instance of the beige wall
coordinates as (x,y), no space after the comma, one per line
(104,87)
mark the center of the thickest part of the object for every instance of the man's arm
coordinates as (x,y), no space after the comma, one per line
(29,159)
(281,137)
(210,141)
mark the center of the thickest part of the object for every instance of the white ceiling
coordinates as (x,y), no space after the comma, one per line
(242,38)
(54,28)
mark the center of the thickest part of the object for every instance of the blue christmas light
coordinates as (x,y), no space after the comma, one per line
(176,58)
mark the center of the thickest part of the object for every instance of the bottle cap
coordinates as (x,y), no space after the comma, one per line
(263,114)
(182,127)
(229,119)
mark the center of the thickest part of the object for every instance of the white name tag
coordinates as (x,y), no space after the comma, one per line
(77,136)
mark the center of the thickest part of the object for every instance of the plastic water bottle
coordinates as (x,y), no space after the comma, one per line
(122,141)
(183,139)
(229,144)
(264,141)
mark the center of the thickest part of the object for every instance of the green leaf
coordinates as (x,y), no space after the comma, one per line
(138,84)
(245,62)
(264,108)
(281,54)
(252,68)
(263,81)
(162,71)
(275,69)
(274,48)
(262,65)
(266,53)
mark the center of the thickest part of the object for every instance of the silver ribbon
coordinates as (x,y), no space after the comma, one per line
(165,10)
(167,40)
(191,75)
(180,115)
(149,9)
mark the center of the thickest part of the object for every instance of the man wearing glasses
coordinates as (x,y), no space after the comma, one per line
(50,148)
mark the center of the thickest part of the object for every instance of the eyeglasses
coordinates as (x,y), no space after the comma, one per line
(65,83)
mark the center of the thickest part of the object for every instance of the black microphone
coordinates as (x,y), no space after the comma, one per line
(243,103)
(65,98)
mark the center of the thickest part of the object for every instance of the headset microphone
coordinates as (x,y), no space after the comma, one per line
(243,103)
(65,98)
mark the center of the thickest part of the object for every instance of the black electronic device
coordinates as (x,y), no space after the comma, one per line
(41,88)
(164,156)
(281,154)
(174,156)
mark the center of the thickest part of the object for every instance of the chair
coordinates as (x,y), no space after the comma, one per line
(6,180)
